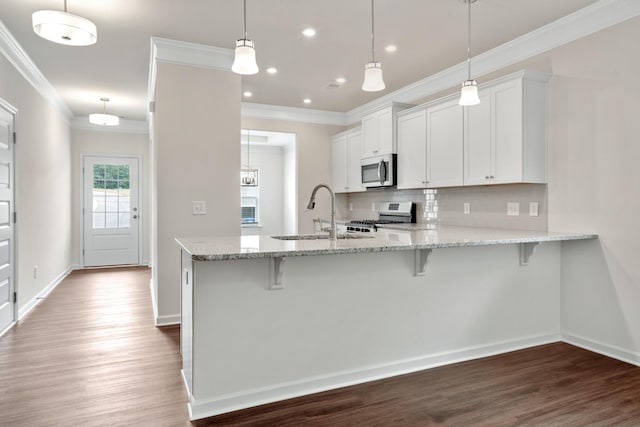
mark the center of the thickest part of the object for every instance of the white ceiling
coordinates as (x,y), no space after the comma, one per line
(430,36)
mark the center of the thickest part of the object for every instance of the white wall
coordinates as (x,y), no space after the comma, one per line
(313,159)
(88,142)
(43,181)
(594,175)
(195,156)
(270,164)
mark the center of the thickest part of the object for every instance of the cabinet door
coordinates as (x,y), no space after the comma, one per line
(412,150)
(339,164)
(370,134)
(477,145)
(445,140)
(355,148)
(506,112)
(385,131)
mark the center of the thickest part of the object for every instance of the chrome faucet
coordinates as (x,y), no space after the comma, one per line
(312,204)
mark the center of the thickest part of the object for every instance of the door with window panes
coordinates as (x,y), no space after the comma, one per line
(111,213)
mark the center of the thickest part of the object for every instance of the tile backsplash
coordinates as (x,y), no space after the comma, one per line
(487,205)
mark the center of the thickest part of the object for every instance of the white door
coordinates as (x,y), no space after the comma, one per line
(111,211)
(7,243)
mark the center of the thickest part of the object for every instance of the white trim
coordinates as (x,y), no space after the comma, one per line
(125,126)
(292,114)
(141,223)
(25,309)
(236,401)
(602,348)
(154,304)
(167,320)
(17,56)
(11,325)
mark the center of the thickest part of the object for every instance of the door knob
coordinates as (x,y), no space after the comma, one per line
(135,209)
(135,217)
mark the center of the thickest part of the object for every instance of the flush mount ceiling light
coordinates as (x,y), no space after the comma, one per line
(469,92)
(245,59)
(309,32)
(373,70)
(64,28)
(272,70)
(104,119)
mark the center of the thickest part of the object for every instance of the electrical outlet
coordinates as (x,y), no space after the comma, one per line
(533,209)
(513,209)
(199,207)
(467,208)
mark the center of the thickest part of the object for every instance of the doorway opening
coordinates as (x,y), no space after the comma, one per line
(269,197)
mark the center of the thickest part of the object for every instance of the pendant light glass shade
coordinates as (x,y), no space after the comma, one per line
(245,59)
(469,93)
(373,77)
(104,119)
(64,28)
(373,70)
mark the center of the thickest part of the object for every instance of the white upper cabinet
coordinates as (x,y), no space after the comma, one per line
(430,143)
(379,130)
(505,139)
(445,142)
(412,149)
(346,151)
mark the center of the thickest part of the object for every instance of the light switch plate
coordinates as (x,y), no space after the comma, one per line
(199,207)
(513,209)
(533,209)
(467,208)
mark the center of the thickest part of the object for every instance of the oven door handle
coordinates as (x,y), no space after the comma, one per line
(382,172)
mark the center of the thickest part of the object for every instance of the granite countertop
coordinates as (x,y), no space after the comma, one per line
(249,247)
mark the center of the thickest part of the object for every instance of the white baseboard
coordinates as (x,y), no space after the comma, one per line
(602,348)
(22,311)
(154,303)
(206,408)
(5,330)
(168,320)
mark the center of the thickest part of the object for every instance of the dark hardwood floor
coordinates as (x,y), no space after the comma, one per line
(89,355)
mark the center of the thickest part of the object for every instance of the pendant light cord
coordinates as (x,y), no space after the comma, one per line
(244,25)
(373,56)
(248,142)
(469,38)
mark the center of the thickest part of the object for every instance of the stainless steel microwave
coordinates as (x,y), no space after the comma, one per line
(378,171)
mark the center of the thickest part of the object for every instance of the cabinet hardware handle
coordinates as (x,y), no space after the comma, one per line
(491,176)
(486,177)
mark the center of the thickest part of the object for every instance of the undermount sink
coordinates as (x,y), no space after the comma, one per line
(319,236)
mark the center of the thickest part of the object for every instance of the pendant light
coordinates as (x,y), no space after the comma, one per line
(64,28)
(245,59)
(248,176)
(104,119)
(373,70)
(469,91)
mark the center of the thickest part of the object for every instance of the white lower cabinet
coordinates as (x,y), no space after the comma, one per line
(346,151)
(505,139)
(430,142)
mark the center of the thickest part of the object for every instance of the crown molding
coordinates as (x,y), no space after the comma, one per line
(584,22)
(125,126)
(293,114)
(21,61)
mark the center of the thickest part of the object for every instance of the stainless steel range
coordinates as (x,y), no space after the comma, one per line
(389,213)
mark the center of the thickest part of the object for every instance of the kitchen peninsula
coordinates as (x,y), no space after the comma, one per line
(265,319)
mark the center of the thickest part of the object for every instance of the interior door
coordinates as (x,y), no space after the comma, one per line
(111,214)
(7,243)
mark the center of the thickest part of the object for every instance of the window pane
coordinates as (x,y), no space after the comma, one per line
(111,203)
(123,172)
(98,220)
(111,220)
(124,220)
(111,184)
(123,185)
(98,171)
(98,204)
(98,184)
(111,171)
(124,204)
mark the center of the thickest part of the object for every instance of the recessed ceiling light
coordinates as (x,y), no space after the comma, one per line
(341,80)
(272,70)
(248,94)
(307,101)
(391,48)
(309,32)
